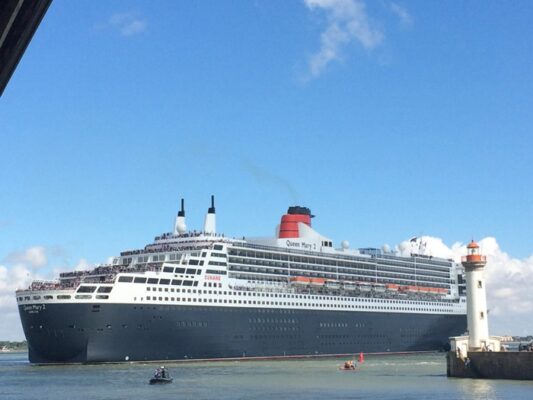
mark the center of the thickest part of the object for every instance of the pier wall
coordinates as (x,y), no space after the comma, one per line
(491,365)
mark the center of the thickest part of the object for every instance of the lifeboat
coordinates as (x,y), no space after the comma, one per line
(379,288)
(364,287)
(349,286)
(333,284)
(392,287)
(317,281)
(300,280)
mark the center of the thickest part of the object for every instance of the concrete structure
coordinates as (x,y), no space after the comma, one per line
(491,365)
(476,298)
(476,307)
(478,355)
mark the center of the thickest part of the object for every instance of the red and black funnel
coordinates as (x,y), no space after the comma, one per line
(289,222)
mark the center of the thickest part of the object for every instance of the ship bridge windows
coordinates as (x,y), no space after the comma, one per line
(222,255)
(105,289)
(126,260)
(139,279)
(218,247)
(215,271)
(193,262)
(168,269)
(125,279)
(86,289)
(218,263)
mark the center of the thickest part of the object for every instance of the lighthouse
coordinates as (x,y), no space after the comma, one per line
(476,298)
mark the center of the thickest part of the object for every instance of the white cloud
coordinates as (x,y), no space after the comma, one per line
(34,256)
(128,24)
(83,265)
(405,18)
(347,22)
(11,279)
(18,270)
(509,280)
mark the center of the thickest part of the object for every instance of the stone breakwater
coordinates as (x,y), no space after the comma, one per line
(491,365)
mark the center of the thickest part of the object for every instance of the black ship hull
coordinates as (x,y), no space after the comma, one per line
(94,333)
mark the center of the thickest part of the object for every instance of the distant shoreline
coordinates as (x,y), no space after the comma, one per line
(7,346)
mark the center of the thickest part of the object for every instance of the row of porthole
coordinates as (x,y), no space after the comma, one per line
(290,304)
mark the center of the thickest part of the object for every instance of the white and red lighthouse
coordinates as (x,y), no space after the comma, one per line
(476,298)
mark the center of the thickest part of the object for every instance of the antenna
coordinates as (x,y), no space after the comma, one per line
(211,209)
(181,213)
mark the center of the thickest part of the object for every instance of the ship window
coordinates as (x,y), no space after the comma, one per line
(187,283)
(125,279)
(83,296)
(36,297)
(48,297)
(217,247)
(482,315)
(180,270)
(102,296)
(105,289)
(139,280)
(479,284)
(193,262)
(164,281)
(176,282)
(152,280)
(86,289)
(168,269)
(190,271)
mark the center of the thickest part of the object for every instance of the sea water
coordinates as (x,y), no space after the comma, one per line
(421,376)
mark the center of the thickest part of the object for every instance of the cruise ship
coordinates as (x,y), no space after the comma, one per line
(202,295)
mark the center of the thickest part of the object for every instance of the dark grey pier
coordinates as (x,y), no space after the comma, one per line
(491,365)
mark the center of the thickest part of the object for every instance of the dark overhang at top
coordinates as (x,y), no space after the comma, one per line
(19,20)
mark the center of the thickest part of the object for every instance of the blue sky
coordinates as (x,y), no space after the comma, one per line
(387,118)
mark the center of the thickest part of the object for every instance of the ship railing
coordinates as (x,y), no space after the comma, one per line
(323,291)
(360,257)
(42,285)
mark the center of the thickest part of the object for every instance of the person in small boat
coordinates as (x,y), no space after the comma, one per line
(163,372)
(349,365)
